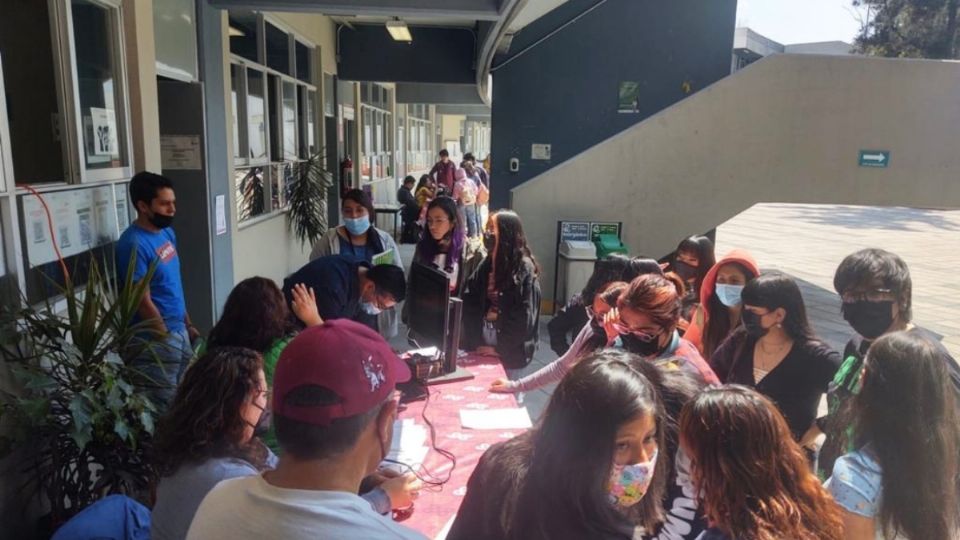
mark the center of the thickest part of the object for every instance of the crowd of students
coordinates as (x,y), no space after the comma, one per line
(686,405)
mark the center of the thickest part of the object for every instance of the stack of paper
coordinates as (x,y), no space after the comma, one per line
(495,419)
(409,445)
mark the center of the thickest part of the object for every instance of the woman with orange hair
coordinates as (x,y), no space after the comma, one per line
(754,480)
(646,318)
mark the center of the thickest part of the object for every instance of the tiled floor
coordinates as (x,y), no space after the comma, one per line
(809,241)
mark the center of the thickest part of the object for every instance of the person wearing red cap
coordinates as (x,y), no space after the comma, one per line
(334,404)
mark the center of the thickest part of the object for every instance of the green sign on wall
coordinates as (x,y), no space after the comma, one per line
(875,158)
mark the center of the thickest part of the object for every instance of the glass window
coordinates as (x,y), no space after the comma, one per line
(278,49)
(251,192)
(98,86)
(256,116)
(329,95)
(35,121)
(378,126)
(273,113)
(289,121)
(307,122)
(367,131)
(302,53)
(236,90)
(243,35)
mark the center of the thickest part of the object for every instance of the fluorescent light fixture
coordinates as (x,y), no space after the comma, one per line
(235,32)
(399,31)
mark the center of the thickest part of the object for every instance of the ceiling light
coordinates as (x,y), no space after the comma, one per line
(235,32)
(399,31)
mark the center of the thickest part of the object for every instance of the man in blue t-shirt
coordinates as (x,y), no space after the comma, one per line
(150,240)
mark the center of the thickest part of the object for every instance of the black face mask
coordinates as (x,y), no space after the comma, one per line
(161,221)
(752,324)
(684,270)
(262,427)
(636,345)
(597,326)
(869,319)
(489,241)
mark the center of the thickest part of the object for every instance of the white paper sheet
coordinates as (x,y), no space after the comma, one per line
(495,419)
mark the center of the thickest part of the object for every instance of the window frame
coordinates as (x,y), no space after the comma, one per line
(273,166)
(70,86)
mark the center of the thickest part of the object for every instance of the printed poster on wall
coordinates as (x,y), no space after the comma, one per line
(40,247)
(123,208)
(105,216)
(103,123)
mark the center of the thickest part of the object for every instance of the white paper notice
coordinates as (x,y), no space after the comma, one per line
(221,211)
(495,419)
(181,152)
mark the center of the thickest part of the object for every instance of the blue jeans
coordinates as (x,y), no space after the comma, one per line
(473,220)
(160,365)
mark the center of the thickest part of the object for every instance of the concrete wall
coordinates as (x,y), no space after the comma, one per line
(265,247)
(786,129)
(563,91)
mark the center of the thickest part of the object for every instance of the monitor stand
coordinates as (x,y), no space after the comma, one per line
(459,374)
(451,371)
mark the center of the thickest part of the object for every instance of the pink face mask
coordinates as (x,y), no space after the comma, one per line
(629,483)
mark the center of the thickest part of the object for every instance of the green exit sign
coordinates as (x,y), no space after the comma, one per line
(875,158)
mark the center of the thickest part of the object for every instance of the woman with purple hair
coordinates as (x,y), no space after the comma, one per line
(443,245)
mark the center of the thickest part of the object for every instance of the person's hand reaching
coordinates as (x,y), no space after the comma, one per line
(304,305)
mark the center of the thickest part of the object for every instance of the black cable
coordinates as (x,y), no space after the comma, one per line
(427,477)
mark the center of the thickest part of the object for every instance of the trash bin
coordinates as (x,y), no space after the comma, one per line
(577,259)
(608,244)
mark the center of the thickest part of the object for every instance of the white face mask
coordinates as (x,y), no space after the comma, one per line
(729,295)
(629,483)
(370,309)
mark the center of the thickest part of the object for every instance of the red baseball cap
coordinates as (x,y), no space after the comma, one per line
(343,356)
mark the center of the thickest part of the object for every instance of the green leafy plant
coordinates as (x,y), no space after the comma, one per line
(307,197)
(252,194)
(73,406)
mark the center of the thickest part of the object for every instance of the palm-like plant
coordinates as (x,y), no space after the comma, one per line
(83,425)
(307,197)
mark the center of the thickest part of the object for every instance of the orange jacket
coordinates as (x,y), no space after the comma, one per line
(698,322)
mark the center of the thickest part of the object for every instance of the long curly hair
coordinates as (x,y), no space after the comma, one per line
(204,419)
(753,478)
(254,316)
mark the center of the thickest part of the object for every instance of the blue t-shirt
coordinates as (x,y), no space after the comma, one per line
(166,289)
(856,483)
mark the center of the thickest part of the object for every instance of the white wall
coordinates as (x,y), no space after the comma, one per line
(786,129)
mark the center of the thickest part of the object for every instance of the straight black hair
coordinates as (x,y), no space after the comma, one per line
(444,153)
(776,290)
(617,267)
(703,247)
(409,180)
(144,187)
(863,267)
(311,442)
(565,490)
(906,411)
(424,178)
(360,197)
(389,279)
(512,249)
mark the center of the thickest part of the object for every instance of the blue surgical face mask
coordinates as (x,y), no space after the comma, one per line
(357,226)
(729,295)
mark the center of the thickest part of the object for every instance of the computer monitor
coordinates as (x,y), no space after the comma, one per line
(429,298)
(434,319)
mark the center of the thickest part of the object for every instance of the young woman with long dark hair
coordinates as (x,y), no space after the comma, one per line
(209,434)
(444,243)
(691,261)
(501,300)
(590,469)
(776,351)
(594,336)
(720,301)
(901,482)
(754,480)
(647,317)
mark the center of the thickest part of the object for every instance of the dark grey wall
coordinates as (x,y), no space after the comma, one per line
(563,91)
(436,55)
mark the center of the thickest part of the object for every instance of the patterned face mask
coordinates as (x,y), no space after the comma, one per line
(629,483)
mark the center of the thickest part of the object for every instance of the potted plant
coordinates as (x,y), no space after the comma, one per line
(307,198)
(80,428)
